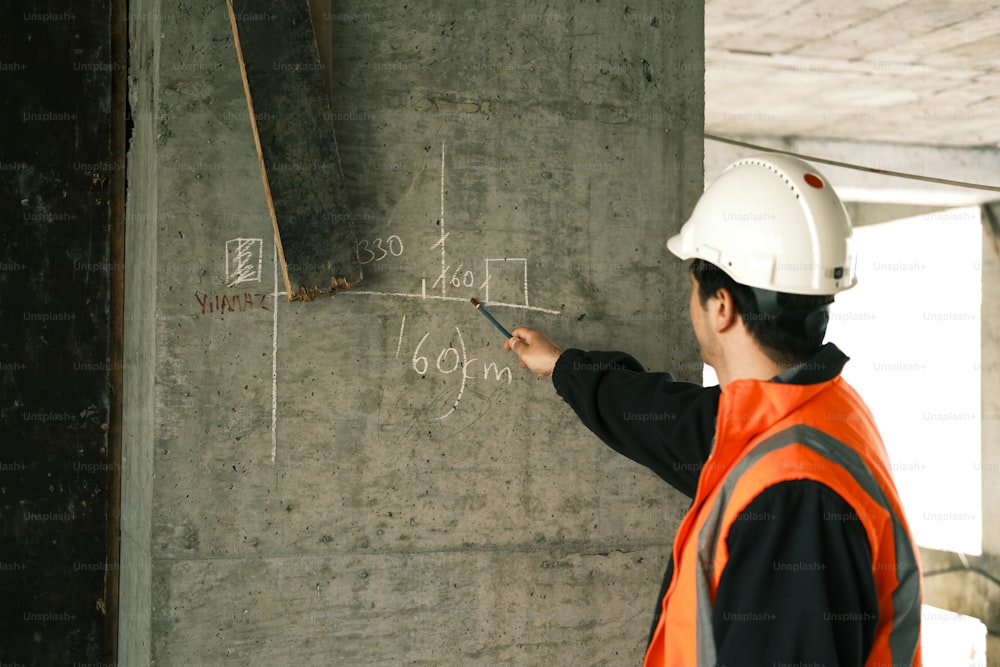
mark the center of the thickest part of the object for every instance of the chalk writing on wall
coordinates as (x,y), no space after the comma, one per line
(244,260)
(449,359)
(502,281)
(378,249)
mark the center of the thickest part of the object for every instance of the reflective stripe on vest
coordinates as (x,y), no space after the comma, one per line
(905,629)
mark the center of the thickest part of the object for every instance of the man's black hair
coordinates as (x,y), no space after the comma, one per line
(789,327)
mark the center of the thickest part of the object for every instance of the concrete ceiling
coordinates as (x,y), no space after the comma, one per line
(924,72)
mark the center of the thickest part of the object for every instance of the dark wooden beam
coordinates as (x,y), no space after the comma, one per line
(293,129)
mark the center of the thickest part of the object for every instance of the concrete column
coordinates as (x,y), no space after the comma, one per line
(990,389)
(370,479)
(140,331)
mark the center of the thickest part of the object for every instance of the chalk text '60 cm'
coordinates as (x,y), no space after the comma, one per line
(449,360)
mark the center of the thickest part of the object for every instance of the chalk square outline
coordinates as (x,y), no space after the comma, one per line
(486,282)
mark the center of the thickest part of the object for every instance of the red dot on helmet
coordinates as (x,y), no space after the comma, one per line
(814,180)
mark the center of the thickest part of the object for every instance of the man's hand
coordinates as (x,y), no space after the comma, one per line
(534,349)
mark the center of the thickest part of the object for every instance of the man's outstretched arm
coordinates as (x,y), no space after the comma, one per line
(664,425)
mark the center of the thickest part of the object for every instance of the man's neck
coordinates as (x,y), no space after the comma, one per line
(749,363)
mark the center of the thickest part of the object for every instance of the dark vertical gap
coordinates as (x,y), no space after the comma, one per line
(991,220)
(57,172)
(120,130)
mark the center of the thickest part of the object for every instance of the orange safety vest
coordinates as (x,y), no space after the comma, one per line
(771,432)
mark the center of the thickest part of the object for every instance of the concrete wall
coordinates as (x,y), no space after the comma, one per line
(370,479)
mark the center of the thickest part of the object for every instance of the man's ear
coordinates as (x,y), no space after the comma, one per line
(724,310)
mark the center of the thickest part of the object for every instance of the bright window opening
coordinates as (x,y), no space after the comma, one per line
(952,640)
(912,330)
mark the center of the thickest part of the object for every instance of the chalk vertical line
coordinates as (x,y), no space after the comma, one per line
(525,282)
(274,364)
(260,260)
(400,343)
(486,283)
(444,280)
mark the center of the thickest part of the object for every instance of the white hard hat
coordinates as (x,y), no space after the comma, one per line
(772,222)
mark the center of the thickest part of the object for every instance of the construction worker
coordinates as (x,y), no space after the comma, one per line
(795,550)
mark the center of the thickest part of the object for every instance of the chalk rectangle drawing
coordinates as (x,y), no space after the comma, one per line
(506,281)
(244,260)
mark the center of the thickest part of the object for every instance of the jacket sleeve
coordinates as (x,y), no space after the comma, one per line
(665,425)
(798,587)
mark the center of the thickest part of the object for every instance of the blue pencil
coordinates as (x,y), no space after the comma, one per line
(485,312)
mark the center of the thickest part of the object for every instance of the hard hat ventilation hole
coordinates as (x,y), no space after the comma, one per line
(810,178)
